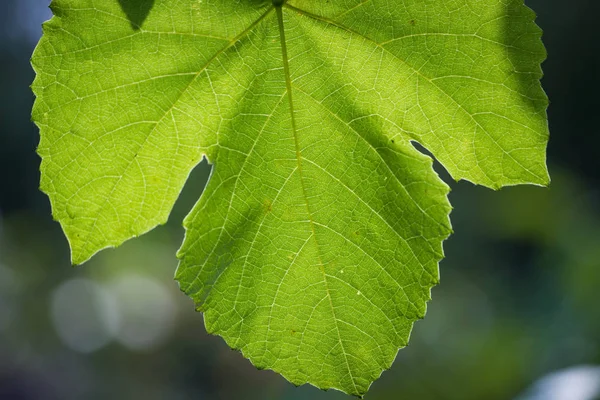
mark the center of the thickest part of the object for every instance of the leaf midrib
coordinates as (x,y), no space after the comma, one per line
(288,83)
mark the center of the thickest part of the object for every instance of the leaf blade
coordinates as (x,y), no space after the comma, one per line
(144,127)
(316,243)
(223,292)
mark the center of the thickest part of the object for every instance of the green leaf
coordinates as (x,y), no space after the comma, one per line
(317,240)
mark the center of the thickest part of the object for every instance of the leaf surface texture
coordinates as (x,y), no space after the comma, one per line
(317,240)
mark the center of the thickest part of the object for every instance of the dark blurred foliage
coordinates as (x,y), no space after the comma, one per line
(518,298)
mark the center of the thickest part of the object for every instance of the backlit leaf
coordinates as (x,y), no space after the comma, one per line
(317,240)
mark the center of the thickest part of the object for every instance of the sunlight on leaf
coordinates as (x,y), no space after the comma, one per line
(317,240)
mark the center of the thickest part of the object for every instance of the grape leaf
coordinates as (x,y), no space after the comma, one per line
(317,240)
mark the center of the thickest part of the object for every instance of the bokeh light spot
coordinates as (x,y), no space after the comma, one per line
(147,312)
(84,315)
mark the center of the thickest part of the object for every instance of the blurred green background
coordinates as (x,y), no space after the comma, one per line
(516,316)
